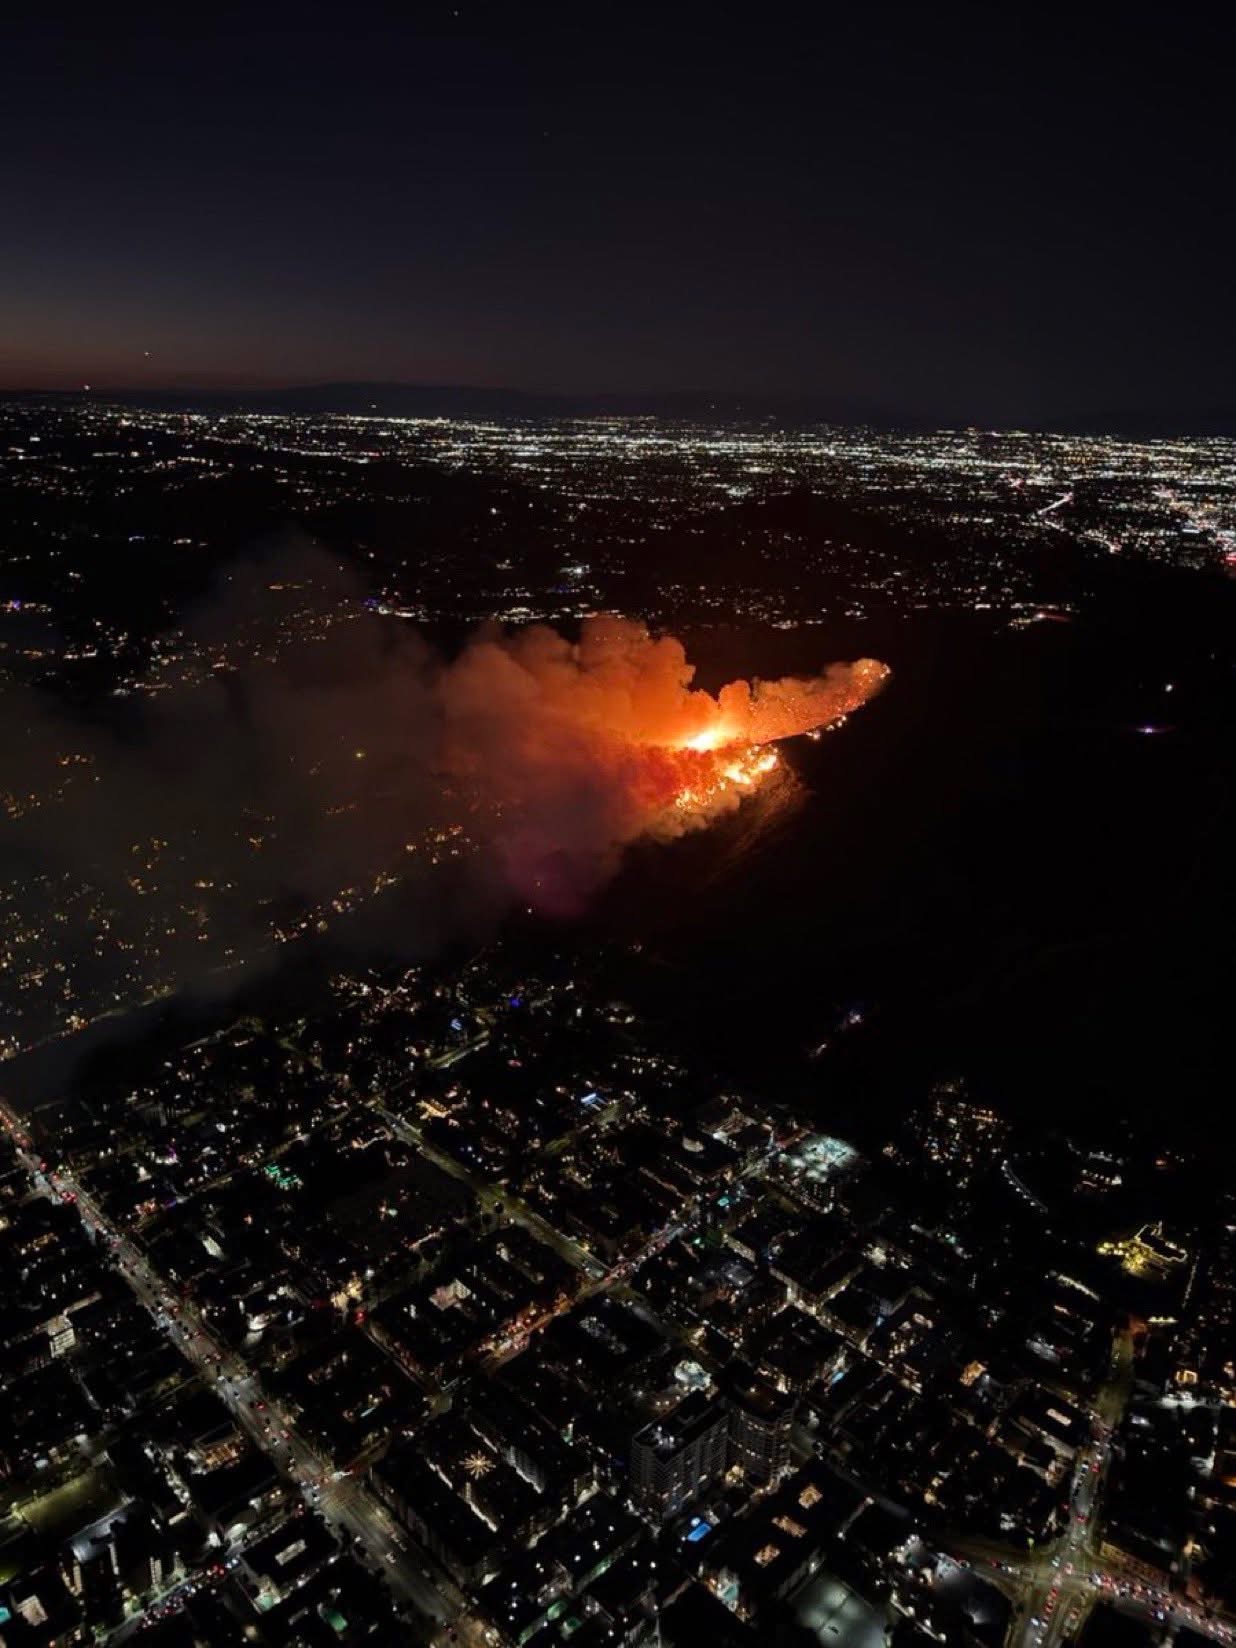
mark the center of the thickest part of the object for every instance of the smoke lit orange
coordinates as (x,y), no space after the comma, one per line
(586,746)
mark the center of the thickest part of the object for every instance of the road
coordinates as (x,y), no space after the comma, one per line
(1054,1589)
(599,1278)
(493,1196)
(347,1506)
(1058,1585)
(344,1503)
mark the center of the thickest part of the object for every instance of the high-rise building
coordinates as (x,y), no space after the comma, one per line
(674,1459)
(761,1424)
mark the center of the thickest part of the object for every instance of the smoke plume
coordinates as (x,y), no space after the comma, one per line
(271,775)
(580,748)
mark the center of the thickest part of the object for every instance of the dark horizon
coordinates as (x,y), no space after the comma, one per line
(969,220)
(465,400)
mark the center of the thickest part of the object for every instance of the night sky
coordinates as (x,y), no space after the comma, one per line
(971,214)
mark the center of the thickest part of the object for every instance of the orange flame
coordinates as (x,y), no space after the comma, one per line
(584,746)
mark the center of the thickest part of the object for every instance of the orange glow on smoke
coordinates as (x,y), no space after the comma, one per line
(710,740)
(583,747)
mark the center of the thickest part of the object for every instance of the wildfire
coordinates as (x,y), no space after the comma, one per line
(736,771)
(713,739)
(581,747)
(746,718)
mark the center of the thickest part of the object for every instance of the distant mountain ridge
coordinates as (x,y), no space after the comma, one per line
(461,400)
(467,401)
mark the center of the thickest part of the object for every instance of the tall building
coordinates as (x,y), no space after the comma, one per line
(761,1424)
(674,1459)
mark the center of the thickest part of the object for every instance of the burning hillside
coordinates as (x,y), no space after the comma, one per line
(584,747)
(272,802)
